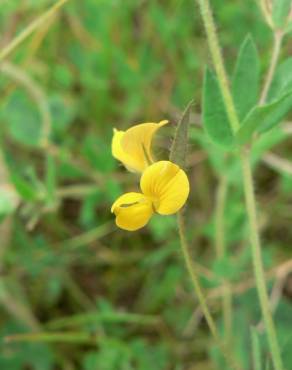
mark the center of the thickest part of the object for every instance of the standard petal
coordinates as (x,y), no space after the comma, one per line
(167,185)
(133,147)
(118,152)
(132,210)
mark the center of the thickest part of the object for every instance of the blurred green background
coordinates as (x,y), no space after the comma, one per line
(103,298)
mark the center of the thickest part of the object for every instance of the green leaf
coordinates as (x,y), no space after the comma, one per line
(215,118)
(264,118)
(63,112)
(113,354)
(281,10)
(282,81)
(98,153)
(96,317)
(23,119)
(245,83)
(179,146)
(34,356)
(25,189)
(88,216)
(223,268)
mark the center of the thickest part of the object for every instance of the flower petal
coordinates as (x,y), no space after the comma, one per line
(167,185)
(133,147)
(119,153)
(132,210)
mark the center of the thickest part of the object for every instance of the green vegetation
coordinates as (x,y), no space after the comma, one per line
(76,292)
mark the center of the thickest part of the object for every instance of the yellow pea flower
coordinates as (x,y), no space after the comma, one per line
(133,146)
(165,189)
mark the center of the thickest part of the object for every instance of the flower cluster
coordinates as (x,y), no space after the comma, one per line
(164,185)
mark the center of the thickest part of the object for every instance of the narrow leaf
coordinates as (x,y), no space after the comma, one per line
(92,318)
(245,83)
(281,10)
(215,118)
(264,118)
(24,188)
(178,151)
(282,81)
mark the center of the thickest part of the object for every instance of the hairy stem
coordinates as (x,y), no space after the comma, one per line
(220,244)
(218,63)
(257,262)
(248,183)
(278,38)
(200,294)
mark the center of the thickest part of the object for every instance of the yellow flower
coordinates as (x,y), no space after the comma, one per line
(165,189)
(133,147)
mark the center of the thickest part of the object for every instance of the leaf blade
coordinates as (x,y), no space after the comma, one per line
(179,145)
(245,82)
(282,81)
(215,119)
(281,9)
(263,118)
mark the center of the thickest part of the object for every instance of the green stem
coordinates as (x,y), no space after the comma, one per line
(200,294)
(220,244)
(257,262)
(218,63)
(248,183)
(278,38)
